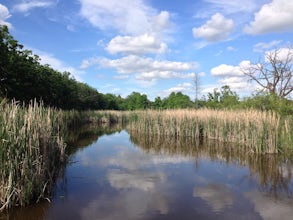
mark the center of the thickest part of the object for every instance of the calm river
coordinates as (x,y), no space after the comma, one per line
(123,176)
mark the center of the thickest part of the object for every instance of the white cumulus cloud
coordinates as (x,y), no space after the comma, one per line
(161,22)
(142,44)
(128,16)
(148,42)
(282,54)
(276,16)
(230,70)
(148,68)
(236,83)
(4,15)
(233,76)
(216,29)
(145,68)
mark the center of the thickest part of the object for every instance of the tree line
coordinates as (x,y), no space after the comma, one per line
(23,78)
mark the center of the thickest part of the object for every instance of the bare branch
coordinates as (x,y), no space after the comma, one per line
(275,73)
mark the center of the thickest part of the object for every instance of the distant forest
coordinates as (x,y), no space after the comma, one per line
(24,78)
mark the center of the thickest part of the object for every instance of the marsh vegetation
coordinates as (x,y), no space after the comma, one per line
(164,178)
(32,150)
(254,131)
(35,136)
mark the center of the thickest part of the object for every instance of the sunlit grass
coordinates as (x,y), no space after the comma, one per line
(32,144)
(31,151)
(259,132)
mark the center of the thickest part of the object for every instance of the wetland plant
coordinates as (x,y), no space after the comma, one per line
(31,152)
(257,131)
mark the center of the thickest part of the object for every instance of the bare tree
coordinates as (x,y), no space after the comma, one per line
(196,84)
(275,73)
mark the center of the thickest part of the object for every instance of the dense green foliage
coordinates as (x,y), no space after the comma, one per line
(135,101)
(223,99)
(177,100)
(267,101)
(23,78)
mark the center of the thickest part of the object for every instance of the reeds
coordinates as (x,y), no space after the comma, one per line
(31,151)
(32,147)
(273,171)
(257,131)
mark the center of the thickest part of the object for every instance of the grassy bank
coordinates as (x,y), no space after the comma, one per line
(31,152)
(257,131)
(32,148)
(32,139)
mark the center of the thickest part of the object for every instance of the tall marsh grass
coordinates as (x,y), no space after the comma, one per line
(259,132)
(273,171)
(32,147)
(31,151)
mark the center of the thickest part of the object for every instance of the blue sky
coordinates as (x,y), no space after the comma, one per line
(153,47)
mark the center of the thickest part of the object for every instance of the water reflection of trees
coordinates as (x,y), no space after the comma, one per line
(272,171)
(81,137)
(37,212)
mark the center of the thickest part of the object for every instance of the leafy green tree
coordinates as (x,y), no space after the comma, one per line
(223,99)
(261,101)
(120,102)
(177,100)
(268,102)
(112,102)
(23,78)
(136,101)
(158,103)
(17,68)
(228,98)
(213,99)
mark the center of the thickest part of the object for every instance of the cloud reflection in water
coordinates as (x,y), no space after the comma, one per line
(216,195)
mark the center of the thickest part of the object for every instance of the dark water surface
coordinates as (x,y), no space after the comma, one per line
(118,176)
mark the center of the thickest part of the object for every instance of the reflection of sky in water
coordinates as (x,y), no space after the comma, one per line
(144,181)
(114,179)
(216,195)
(270,208)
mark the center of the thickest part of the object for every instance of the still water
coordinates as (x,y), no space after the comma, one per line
(123,176)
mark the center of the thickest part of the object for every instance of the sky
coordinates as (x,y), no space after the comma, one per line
(153,47)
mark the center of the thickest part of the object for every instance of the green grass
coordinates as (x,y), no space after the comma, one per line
(32,148)
(31,152)
(256,131)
